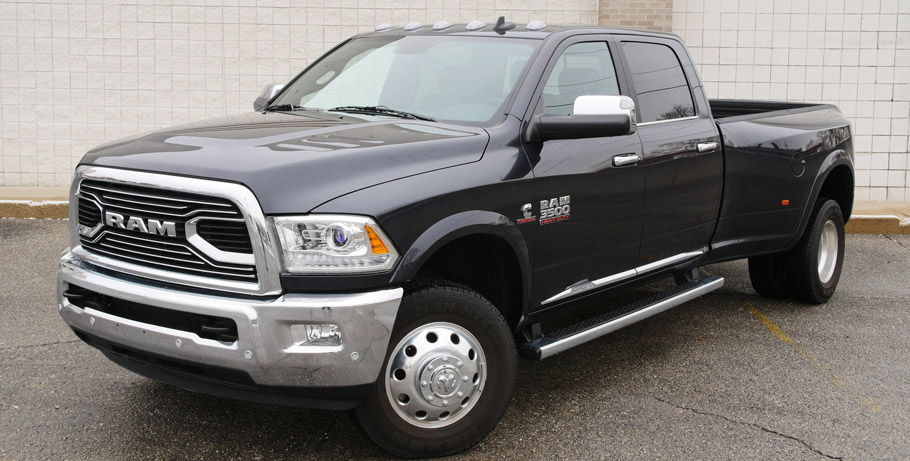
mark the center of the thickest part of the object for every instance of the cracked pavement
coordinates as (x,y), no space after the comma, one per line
(709,379)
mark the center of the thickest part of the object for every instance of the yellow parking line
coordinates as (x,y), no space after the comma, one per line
(818,364)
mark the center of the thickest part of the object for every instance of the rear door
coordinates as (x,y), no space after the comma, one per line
(683,164)
(588,212)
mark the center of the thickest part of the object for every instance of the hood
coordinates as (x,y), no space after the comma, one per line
(294,162)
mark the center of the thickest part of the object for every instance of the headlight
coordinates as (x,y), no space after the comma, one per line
(320,244)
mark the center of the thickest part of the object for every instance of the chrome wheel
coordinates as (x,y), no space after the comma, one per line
(827,252)
(435,375)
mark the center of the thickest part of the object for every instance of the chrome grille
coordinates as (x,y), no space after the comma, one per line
(219,222)
(226,235)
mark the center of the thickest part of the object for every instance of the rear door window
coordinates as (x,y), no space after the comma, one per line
(662,89)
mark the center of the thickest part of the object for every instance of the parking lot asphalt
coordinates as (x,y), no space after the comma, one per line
(730,375)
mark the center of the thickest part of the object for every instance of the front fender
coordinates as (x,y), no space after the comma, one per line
(474,222)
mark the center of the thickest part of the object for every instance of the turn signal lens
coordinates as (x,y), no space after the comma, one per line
(379,248)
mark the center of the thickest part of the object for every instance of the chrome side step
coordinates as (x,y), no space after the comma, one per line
(609,322)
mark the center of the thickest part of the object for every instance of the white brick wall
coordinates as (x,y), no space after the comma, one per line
(853,53)
(75,73)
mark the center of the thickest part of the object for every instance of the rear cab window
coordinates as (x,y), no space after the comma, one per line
(660,85)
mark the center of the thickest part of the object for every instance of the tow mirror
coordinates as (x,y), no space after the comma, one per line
(267,94)
(592,117)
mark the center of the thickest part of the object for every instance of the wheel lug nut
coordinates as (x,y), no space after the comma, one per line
(445,359)
(464,378)
(445,402)
(460,364)
(460,394)
(424,383)
(430,398)
(430,367)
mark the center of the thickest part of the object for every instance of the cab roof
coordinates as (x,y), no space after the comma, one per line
(519,31)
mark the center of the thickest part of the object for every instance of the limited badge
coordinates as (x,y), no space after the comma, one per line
(554,210)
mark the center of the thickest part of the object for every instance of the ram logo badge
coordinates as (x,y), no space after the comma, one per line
(554,210)
(132,223)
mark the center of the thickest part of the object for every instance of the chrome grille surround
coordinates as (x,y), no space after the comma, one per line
(264,258)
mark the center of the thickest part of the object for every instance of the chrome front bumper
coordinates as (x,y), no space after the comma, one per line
(265,348)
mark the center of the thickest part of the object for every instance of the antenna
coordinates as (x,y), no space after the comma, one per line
(502,26)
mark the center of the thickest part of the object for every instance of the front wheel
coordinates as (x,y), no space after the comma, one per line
(816,261)
(448,376)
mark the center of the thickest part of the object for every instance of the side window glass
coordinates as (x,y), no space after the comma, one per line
(582,69)
(663,92)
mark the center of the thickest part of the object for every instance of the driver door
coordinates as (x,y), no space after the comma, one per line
(589,211)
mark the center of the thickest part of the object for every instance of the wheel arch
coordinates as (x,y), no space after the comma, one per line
(834,180)
(488,243)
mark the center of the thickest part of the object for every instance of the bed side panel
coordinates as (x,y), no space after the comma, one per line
(770,167)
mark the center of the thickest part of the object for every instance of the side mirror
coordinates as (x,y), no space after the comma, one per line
(592,117)
(267,94)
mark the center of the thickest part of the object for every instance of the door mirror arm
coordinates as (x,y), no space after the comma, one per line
(266,95)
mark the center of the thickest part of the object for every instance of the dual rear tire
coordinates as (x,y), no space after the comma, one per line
(811,270)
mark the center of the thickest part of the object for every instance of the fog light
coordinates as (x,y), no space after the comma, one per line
(316,334)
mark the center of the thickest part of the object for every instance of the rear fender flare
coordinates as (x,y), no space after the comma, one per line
(835,159)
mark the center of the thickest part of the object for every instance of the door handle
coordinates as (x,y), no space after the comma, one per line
(706,147)
(626,159)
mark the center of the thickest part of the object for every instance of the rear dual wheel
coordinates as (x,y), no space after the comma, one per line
(448,376)
(811,270)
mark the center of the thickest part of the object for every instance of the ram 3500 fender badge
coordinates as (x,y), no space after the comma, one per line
(132,223)
(527,211)
(554,210)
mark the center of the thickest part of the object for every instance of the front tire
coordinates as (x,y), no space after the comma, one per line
(448,377)
(816,261)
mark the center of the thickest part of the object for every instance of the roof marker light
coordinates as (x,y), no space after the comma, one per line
(441,25)
(475,25)
(536,25)
(412,26)
(384,27)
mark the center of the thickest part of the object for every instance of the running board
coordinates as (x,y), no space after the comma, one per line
(609,322)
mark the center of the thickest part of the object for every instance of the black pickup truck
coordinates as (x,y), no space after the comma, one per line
(392,229)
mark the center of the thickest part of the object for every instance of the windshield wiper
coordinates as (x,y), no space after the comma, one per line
(288,108)
(381,110)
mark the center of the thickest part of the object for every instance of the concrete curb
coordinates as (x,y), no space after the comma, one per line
(878,224)
(50,209)
(59,209)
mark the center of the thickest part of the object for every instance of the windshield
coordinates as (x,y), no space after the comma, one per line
(462,79)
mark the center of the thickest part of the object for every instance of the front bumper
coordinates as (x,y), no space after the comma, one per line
(264,349)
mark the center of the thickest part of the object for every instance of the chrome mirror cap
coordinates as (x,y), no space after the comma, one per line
(605,105)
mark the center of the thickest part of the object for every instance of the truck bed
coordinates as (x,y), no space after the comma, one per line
(728,110)
(769,149)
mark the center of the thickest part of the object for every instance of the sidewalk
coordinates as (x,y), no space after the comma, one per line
(51,202)
(880,218)
(34,202)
